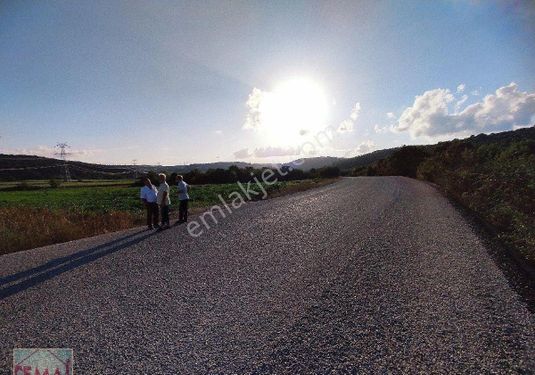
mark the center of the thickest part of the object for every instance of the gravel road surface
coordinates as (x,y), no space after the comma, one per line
(367,275)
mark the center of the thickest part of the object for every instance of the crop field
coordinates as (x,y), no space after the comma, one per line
(10,185)
(103,199)
(43,216)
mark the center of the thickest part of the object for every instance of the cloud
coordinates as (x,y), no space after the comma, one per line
(380,129)
(355,112)
(345,126)
(460,103)
(461,88)
(218,132)
(516,127)
(390,116)
(365,147)
(242,154)
(348,124)
(267,152)
(438,112)
(254,111)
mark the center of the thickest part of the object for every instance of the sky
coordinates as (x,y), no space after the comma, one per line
(172,82)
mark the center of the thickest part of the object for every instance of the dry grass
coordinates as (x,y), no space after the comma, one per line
(25,228)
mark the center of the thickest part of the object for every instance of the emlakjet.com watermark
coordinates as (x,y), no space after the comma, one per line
(255,189)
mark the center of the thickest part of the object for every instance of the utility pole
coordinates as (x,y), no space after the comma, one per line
(63,156)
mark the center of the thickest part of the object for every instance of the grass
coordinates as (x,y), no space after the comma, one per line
(33,218)
(26,227)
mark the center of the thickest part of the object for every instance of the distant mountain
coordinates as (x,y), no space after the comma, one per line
(317,162)
(203,167)
(364,160)
(30,167)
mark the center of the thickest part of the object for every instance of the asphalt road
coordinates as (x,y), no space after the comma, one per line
(368,275)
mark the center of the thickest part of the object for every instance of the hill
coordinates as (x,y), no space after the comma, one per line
(307,164)
(30,167)
(492,175)
(364,160)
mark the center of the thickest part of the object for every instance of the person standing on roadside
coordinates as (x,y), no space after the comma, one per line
(148,195)
(163,200)
(183,198)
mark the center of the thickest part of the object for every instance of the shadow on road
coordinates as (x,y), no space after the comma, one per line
(58,266)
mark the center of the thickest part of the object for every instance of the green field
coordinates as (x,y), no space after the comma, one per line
(39,216)
(111,198)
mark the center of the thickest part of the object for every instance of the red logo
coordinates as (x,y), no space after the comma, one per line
(42,362)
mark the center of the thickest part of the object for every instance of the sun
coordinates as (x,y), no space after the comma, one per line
(293,109)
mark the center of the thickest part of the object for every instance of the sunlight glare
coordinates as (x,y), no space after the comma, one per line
(295,108)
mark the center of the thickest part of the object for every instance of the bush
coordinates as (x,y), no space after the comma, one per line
(493,175)
(54,183)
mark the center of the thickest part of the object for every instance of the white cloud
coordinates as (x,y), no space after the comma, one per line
(380,130)
(348,124)
(516,127)
(345,126)
(242,154)
(461,88)
(438,112)
(365,147)
(266,152)
(254,102)
(218,132)
(460,103)
(355,112)
(390,116)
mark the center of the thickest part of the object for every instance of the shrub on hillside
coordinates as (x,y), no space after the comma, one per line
(494,176)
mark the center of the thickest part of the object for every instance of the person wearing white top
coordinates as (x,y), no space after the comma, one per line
(163,200)
(183,198)
(148,195)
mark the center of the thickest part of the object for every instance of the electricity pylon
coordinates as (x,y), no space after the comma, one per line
(63,156)
(134,163)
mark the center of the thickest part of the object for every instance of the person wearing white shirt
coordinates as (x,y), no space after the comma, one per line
(163,200)
(183,198)
(148,195)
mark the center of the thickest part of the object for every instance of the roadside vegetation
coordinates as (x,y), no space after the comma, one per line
(39,212)
(492,175)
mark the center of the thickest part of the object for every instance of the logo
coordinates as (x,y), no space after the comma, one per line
(42,362)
